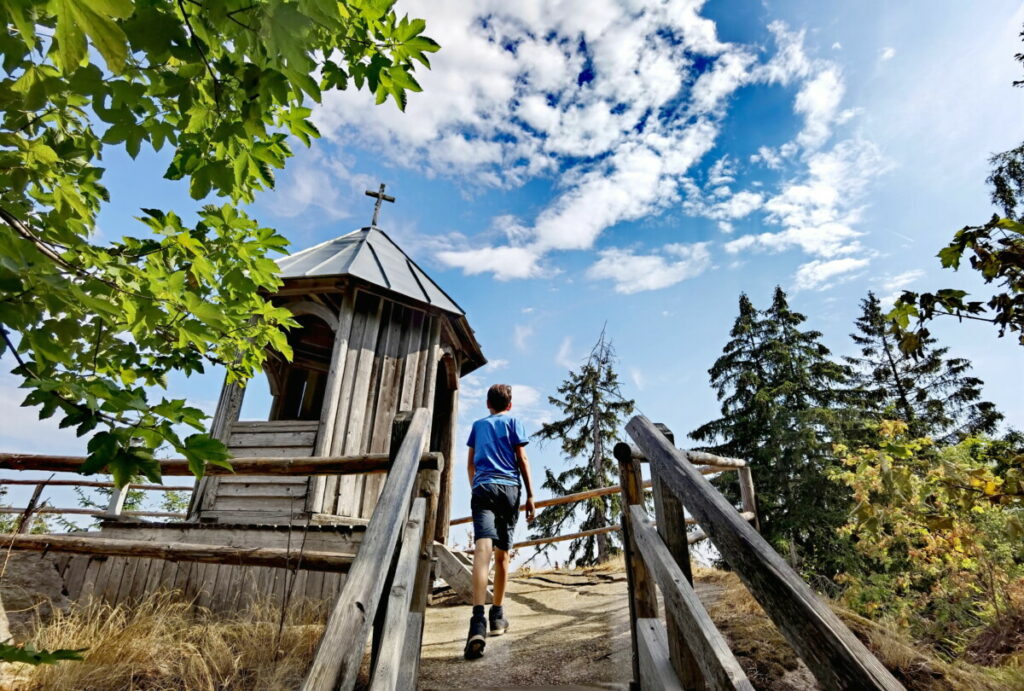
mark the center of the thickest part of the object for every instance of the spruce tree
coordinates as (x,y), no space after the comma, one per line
(594,410)
(933,394)
(783,400)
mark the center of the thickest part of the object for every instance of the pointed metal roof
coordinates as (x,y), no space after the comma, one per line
(368,254)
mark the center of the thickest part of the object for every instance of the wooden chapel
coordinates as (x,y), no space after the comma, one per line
(377,336)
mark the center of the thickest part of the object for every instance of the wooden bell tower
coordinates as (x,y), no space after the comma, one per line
(377,336)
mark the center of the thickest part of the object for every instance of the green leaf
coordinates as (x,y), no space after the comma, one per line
(31,656)
(95,19)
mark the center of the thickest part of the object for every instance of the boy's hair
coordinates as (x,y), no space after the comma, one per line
(499,397)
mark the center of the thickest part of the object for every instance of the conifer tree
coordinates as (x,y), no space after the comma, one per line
(594,410)
(782,404)
(933,394)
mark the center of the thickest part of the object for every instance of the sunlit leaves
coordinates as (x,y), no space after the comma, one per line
(30,655)
(224,86)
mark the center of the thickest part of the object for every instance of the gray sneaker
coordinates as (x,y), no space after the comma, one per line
(499,624)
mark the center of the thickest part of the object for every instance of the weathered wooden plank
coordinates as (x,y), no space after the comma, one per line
(643,600)
(671,522)
(74,576)
(338,656)
(91,483)
(456,574)
(264,490)
(385,406)
(567,499)
(718,666)
(247,426)
(359,325)
(212,554)
(389,653)
(228,409)
(332,396)
(835,656)
(271,451)
(747,496)
(656,670)
(244,440)
(269,504)
(341,465)
(351,488)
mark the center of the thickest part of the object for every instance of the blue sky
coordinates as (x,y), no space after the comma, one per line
(572,164)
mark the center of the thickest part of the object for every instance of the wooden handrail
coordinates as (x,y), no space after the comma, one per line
(94,512)
(703,458)
(711,652)
(396,621)
(834,655)
(337,562)
(340,652)
(590,494)
(94,483)
(290,465)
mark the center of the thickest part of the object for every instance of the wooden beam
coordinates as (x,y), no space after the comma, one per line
(340,652)
(641,595)
(711,652)
(457,574)
(670,517)
(655,667)
(289,465)
(834,655)
(696,457)
(93,483)
(94,512)
(747,496)
(389,655)
(181,551)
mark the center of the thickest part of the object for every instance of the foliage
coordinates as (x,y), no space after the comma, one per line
(594,410)
(222,87)
(930,392)
(939,529)
(30,656)
(996,252)
(782,408)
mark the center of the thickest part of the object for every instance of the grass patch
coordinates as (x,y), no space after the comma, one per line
(768,659)
(164,643)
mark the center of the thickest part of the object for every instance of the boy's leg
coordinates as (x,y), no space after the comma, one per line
(481,567)
(502,559)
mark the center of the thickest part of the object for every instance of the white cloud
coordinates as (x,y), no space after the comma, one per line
(816,275)
(564,357)
(523,89)
(819,211)
(633,273)
(639,381)
(887,53)
(893,286)
(317,181)
(22,431)
(521,335)
(818,101)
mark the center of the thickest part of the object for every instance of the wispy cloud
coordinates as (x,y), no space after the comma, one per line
(634,273)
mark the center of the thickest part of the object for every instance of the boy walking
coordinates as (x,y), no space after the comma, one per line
(497,461)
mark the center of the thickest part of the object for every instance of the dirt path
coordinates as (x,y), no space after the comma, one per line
(567,629)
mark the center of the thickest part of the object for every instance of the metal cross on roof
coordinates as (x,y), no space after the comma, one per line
(381,197)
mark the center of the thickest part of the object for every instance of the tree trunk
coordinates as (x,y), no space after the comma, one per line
(603,539)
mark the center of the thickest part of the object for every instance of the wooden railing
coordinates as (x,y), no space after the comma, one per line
(385,593)
(710,466)
(687,651)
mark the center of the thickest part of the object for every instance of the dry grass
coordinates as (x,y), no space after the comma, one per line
(163,643)
(767,657)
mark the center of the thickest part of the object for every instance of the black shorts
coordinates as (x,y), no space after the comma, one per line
(495,512)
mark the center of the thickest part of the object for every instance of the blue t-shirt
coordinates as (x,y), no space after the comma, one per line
(494,440)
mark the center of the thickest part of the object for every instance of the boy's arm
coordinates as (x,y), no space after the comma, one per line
(470,466)
(524,470)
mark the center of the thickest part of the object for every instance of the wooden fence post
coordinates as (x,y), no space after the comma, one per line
(116,505)
(670,518)
(25,522)
(643,599)
(747,495)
